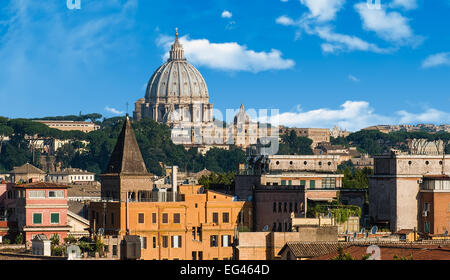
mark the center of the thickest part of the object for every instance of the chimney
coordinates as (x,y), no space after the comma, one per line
(174,181)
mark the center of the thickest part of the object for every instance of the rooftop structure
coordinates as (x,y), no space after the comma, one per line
(70,125)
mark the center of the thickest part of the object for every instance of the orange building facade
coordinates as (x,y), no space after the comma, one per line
(199,225)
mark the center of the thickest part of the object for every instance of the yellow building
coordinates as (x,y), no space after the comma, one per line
(183,222)
(200,225)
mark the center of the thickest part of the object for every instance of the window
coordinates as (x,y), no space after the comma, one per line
(176,241)
(114,250)
(165,241)
(312,184)
(295,207)
(274,207)
(112,218)
(285,207)
(199,233)
(302,183)
(165,218)
(290,207)
(141,218)
(143,242)
(194,255)
(36,194)
(154,241)
(279,207)
(226,217)
(200,255)
(54,218)
(216,218)
(290,182)
(226,240)
(176,218)
(37,218)
(427,227)
(283,182)
(214,241)
(154,218)
(329,183)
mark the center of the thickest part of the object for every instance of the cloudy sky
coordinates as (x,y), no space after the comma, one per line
(319,62)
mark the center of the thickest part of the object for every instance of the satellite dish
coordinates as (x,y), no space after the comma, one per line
(374,229)
(266,228)
(363,230)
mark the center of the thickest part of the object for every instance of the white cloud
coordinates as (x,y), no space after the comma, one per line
(226,14)
(342,42)
(390,26)
(315,23)
(353,78)
(285,20)
(405,4)
(113,111)
(435,60)
(323,10)
(428,116)
(227,56)
(353,116)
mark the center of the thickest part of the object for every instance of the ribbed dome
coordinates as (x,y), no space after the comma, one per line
(177,79)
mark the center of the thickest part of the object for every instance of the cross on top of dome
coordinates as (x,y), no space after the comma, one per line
(177,51)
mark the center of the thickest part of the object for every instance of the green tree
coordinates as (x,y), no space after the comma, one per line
(291,144)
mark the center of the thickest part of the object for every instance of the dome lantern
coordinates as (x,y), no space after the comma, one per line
(177,51)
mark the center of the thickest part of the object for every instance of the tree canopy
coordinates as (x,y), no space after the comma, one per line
(154,141)
(291,144)
(374,142)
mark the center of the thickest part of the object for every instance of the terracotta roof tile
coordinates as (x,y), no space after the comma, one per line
(42,185)
(27,169)
(311,249)
(418,251)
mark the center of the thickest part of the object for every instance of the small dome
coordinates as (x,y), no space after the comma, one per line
(242,117)
(177,79)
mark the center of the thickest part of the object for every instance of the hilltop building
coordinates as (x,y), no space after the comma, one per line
(317,135)
(177,95)
(71,125)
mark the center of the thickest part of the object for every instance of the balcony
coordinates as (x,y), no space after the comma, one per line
(438,184)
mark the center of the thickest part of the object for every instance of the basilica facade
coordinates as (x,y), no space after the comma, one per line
(177,95)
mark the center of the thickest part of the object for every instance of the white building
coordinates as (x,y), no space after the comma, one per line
(71,176)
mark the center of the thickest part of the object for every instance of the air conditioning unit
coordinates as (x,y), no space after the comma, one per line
(425,214)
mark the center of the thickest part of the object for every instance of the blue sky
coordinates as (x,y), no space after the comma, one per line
(319,62)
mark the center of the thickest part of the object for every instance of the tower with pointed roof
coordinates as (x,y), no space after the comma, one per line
(126,171)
